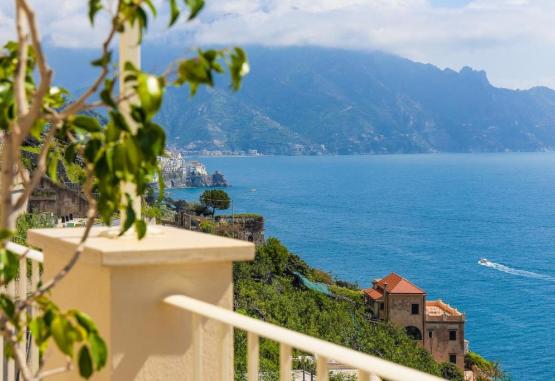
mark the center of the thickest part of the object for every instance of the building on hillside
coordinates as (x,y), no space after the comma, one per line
(63,200)
(436,326)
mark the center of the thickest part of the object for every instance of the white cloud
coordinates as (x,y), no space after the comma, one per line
(513,40)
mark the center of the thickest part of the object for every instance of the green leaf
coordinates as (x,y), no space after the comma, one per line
(150,89)
(195,6)
(85,321)
(40,332)
(106,93)
(129,216)
(61,332)
(151,6)
(85,362)
(9,265)
(70,154)
(140,228)
(99,351)
(239,67)
(119,121)
(94,7)
(5,234)
(195,71)
(37,128)
(104,60)
(52,169)
(7,305)
(87,123)
(174,12)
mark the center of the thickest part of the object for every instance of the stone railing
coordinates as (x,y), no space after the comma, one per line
(164,306)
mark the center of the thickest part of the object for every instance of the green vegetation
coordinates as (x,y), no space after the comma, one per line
(207,226)
(267,289)
(31,221)
(215,199)
(450,371)
(486,370)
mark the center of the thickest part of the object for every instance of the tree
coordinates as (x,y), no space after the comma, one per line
(215,199)
(116,156)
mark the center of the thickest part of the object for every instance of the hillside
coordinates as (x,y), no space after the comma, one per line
(267,289)
(313,100)
(309,100)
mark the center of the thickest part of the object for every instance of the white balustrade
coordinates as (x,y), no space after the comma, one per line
(25,283)
(369,368)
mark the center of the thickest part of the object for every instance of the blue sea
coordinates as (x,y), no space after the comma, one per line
(429,218)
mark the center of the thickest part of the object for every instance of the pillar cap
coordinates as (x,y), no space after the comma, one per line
(169,246)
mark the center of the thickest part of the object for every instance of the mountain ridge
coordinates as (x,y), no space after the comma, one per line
(310,100)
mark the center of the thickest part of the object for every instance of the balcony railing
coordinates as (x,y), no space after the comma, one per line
(369,368)
(26,282)
(180,325)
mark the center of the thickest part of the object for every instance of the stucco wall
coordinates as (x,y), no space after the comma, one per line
(399,310)
(439,344)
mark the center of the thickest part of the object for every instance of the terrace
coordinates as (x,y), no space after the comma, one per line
(164,306)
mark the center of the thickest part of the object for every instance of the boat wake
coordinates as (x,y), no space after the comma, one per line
(510,270)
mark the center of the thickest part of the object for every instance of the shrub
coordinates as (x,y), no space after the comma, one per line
(449,371)
(208,226)
(321,276)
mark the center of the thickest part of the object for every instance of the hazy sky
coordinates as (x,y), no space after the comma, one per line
(513,40)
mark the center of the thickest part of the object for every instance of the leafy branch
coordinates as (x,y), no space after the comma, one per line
(122,151)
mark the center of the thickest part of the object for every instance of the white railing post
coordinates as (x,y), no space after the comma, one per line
(322,372)
(35,278)
(11,362)
(226,348)
(363,376)
(196,326)
(253,354)
(285,362)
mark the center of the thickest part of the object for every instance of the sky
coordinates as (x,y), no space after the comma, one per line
(512,40)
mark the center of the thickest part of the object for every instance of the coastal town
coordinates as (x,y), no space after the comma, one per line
(179,172)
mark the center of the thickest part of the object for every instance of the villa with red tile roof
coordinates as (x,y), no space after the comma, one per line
(434,324)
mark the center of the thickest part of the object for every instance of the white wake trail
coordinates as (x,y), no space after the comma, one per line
(523,273)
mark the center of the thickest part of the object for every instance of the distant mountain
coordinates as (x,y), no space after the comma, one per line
(316,100)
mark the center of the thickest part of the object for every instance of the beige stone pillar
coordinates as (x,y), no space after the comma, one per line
(121,284)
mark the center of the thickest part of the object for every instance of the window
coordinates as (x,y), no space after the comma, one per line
(430,334)
(453,334)
(415,309)
(453,358)
(382,306)
(413,332)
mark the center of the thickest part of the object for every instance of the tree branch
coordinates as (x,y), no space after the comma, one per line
(21,69)
(29,118)
(54,372)
(19,355)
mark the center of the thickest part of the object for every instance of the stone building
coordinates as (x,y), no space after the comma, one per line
(59,199)
(436,326)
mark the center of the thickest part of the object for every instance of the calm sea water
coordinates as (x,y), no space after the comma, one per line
(430,218)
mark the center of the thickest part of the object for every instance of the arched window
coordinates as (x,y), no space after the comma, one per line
(413,332)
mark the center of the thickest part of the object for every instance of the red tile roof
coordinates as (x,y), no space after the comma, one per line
(373,293)
(396,284)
